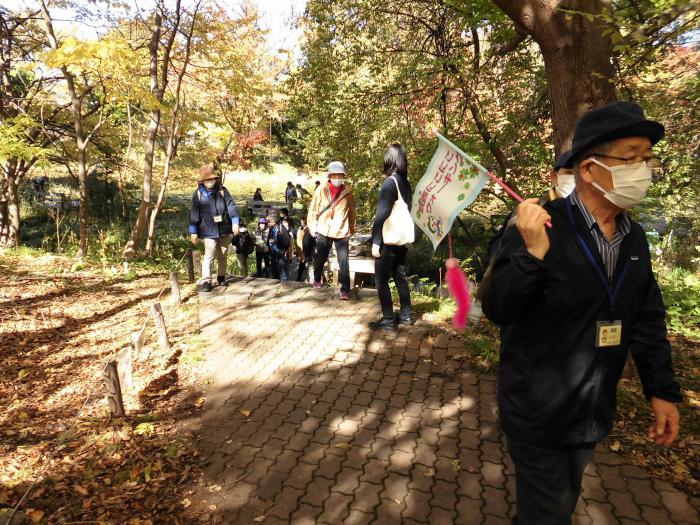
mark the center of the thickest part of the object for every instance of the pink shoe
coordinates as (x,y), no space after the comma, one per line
(317,284)
(344,296)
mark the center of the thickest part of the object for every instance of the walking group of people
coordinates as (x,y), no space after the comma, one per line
(569,283)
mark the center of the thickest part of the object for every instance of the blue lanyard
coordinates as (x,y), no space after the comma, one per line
(612,294)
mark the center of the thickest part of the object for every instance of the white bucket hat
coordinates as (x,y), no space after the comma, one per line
(336,167)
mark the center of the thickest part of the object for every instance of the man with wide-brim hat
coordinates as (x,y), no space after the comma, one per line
(213,219)
(572,301)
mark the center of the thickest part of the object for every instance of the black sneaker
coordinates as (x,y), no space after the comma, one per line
(206,287)
(405,320)
(220,279)
(384,324)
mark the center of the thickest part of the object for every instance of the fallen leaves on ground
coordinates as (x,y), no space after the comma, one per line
(58,329)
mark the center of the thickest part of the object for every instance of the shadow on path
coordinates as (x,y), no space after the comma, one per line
(312,418)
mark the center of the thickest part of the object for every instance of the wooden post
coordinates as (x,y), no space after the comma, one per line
(197,261)
(139,339)
(161,329)
(175,288)
(113,389)
(125,369)
(190,267)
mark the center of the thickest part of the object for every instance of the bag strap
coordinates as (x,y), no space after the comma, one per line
(340,194)
(398,190)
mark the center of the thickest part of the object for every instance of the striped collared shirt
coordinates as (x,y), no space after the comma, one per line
(609,250)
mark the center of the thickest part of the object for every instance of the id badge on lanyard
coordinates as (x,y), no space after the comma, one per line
(608,333)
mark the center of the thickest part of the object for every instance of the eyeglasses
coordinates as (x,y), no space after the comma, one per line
(650,160)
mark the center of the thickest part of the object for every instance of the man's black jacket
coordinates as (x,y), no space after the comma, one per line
(555,386)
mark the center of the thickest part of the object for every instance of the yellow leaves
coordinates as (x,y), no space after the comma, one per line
(186,503)
(246,412)
(259,519)
(81,56)
(22,375)
(616,446)
(145,429)
(199,403)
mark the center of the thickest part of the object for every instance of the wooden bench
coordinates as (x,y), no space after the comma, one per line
(357,265)
(265,208)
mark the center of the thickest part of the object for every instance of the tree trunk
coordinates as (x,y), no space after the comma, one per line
(13,214)
(82,187)
(159,81)
(172,136)
(137,232)
(577,57)
(161,194)
(80,137)
(124,170)
(10,206)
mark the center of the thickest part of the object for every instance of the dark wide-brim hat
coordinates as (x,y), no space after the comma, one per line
(618,120)
(563,160)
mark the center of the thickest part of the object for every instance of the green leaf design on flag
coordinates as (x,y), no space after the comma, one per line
(461,197)
(467,185)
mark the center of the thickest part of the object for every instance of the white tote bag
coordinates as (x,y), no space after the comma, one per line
(398,228)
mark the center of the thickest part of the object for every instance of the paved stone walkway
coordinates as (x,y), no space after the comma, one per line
(312,418)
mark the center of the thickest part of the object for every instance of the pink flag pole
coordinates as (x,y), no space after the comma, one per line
(509,191)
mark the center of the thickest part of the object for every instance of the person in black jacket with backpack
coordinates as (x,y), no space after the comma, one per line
(391,260)
(572,300)
(213,218)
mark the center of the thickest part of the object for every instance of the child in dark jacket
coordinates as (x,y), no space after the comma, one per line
(279,241)
(213,218)
(262,249)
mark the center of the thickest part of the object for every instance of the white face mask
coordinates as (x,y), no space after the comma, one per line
(209,184)
(565,183)
(630,184)
(337,182)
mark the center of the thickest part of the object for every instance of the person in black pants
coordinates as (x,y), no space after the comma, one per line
(390,260)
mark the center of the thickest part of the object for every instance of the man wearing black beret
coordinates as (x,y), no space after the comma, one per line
(572,300)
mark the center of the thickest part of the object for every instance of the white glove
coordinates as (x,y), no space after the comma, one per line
(375,251)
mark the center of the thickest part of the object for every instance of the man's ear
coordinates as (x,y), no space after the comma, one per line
(585,170)
(554,177)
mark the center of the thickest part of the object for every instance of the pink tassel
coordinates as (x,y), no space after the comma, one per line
(458,286)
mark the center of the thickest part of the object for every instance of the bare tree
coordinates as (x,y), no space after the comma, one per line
(172,132)
(20,39)
(82,138)
(159,82)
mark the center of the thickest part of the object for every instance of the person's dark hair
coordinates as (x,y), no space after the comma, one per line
(318,182)
(395,161)
(285,211)
(289,183)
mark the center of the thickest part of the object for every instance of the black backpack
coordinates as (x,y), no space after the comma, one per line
(283,238)
(248,244)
